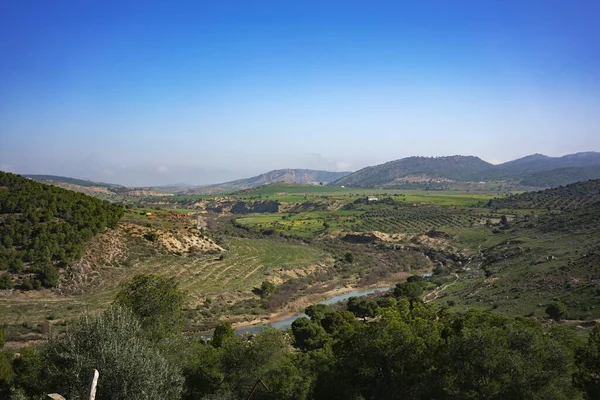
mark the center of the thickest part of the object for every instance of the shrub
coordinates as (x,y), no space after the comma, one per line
(556,310)
(6,281)
(114,343)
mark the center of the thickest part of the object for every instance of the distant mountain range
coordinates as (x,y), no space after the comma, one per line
(301,176)
(536,170)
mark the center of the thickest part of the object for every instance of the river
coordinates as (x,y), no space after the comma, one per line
(286,323)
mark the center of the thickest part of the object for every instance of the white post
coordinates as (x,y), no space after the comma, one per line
(93,382)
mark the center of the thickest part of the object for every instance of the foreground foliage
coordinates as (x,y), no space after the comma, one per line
(395,347)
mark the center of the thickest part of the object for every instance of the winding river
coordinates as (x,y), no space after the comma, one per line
(286,323)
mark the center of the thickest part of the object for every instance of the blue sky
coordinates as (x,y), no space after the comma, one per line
(155,92)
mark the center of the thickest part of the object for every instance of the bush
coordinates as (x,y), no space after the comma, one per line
(156,301)
(556,310)
(114,343)
(6,281)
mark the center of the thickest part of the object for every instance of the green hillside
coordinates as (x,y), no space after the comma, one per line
(524,264)
(571,196)
(414,168)
(73,181)
(562,176)
(44,227)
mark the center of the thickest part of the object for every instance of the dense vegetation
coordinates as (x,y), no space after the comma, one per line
(571,196)
(389,348)
(43,227)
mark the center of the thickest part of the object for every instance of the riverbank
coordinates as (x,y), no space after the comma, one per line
(298,306)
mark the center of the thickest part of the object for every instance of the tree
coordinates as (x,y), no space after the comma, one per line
(157,301)
(49,275)
(391,358)
(308,335)
(6,281)
(411,290)
(223,333)
(491,356)
(348,257)
(28,368)
(6,374)
(336,321)
(266,289)
(317,312)
(362,307)
(587,376)
(266,357)
(556,310)
(418,279)
(113,343)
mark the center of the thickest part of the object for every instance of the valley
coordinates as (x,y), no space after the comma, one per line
(485,248)
(281,254)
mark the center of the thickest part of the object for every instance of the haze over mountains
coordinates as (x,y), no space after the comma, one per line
(302,176)
(536,170)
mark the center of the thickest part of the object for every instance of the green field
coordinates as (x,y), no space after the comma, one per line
(407,213)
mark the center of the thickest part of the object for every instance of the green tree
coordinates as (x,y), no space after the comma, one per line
(393,357)
(202,368)
(494,357)
(28,370)
(266,289)
(411,290)
(157,301)
(587,376)
(317,312)
(224,332)
(6,374)
(265,357)
(48,275)
(308,335)
(362,307)
(6,281)
(349,257)
(113,343)
(556,310)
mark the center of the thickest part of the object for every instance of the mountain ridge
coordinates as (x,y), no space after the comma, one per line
(581,166)
(288,175)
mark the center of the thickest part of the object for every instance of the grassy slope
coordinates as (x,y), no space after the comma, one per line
(536,261)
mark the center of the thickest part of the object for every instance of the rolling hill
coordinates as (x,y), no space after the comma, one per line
(302,176)
(55,180)
(562,176)
(44,227)
(536,170)
(458,168)
(524,264)
(542,168)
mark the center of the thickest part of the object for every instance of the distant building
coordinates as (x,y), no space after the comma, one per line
(372,198)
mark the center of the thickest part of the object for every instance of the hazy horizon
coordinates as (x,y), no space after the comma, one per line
(201,94)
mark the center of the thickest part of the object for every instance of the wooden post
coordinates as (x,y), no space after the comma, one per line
(93,383)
